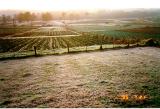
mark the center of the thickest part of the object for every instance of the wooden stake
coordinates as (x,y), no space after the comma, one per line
(35,50)
(68,47)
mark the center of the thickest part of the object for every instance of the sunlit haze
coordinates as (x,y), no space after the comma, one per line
(49,5)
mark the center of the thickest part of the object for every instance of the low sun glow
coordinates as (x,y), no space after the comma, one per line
(47,5)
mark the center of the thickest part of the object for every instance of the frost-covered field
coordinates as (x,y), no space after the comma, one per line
(95,79)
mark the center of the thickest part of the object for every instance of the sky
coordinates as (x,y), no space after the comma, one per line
(64,5)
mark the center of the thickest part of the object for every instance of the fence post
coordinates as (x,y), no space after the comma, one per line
(128,45)
(113,43)
(86,47)
(35,50)
(68,47)
(101,48)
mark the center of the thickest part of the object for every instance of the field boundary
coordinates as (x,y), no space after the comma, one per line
(27,54)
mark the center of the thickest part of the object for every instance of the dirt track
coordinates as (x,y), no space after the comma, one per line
(94,79)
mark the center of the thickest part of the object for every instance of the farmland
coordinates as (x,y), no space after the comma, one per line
(79,33)
(149,30)
(91,63)
(5,31)
(42,38)
(119,28)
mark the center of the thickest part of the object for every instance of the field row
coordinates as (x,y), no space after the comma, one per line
(124,34)
(142,31)
(43,31)
(149,30)
(11,31)
(50,43)
(52,29)
(35,33)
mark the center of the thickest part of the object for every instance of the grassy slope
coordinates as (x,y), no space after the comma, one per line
(83,80)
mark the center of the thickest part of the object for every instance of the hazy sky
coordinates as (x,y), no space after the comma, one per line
(47,5)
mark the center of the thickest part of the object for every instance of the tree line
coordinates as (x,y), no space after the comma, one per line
(25,17)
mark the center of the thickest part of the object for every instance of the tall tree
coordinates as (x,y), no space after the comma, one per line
(4,19)
(63,15)
(14,18)
(20,17)
(27,16)
(47,16)
(33,17)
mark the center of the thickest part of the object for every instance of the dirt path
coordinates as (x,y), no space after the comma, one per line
(96,79)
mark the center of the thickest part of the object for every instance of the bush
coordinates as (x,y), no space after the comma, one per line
(152,42)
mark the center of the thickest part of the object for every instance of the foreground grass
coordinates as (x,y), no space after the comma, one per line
(97,79)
